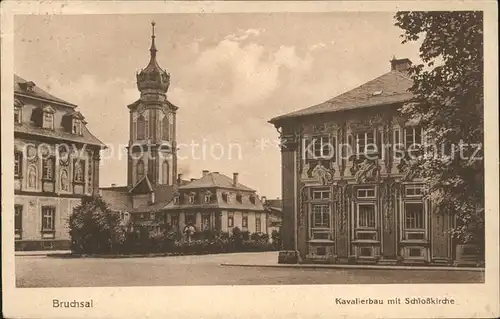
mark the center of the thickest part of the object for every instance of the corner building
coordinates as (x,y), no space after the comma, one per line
(357,208)
(56,163)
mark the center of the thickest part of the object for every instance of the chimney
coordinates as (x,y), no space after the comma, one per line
(179,178)
(401,65)
(235,179)
(113,185)
(205,173)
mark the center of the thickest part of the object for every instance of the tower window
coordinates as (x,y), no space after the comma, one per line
(165,128)
(140,170)
(141,127)
(165,172)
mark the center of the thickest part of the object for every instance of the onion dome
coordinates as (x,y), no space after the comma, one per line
(153,77)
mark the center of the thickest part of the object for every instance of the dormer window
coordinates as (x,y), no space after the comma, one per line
(18,115)
(28,86)
(225,197)
(191,199)
(48,117)
(176,200)
(239,198)
(208,198)
(252,200)
(76,128)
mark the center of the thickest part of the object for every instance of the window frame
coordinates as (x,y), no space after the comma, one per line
(314,228)
(19,112)
(18,219)
(366,190)
(320,142)
(76,127)
(375,216)
(48,120)
(413,129)
(205,217)
(258,223)
(365,141)
(244,221)
(191,199)
(18,164)
(321,191)
(46,176)
(239,198)
(207,198)
(81,166)
(423,217)
(413,187)
(230,217)
(48,209)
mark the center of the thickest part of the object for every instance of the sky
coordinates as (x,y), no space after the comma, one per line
(230,74)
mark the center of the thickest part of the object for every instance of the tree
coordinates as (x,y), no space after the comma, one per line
(94,228)
(448,104)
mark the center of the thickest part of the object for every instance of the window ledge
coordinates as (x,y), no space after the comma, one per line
(321,241)
(366,241)
(414,241)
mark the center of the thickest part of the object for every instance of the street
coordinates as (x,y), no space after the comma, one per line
(42,271)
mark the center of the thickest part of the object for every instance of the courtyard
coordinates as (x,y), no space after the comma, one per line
(43,271)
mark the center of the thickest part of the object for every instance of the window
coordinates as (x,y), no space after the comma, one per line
(244,221)
(366,216)
(48,169)
(320,222)
(191,219)
(252,199)
(208,198)
(258,225)
(366,192)
(165,172)
(413,190)
(230,220)
(32,176)
(18,221)
(141,127)
(191,199)
(396,137)
(48,218)
(320,194)
(413,136)
(18,115)
(176,200)
(323,147)
(174,220)
(225,197)
(165,128)
(77,127)
(48,120)
(79,176)
(239,198)
(365,142)
(414,216)
(18,164)
(140,170)
(205,221)
(152,216)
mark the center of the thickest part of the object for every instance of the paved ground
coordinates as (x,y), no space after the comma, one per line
(41,271)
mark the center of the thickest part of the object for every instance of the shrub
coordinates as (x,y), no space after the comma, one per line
(94,228)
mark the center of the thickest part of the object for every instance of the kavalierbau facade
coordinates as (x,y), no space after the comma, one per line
(348,199)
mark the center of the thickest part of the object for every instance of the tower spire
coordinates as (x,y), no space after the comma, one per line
(153,46)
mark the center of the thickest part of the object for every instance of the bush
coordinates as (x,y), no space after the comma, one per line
(94,228)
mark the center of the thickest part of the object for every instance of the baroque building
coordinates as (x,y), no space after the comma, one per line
(56,163)
(347,195)
(155,195)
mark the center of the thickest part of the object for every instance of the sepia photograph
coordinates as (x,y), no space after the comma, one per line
(263,148)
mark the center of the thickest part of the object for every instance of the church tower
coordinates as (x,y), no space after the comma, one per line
(152,152)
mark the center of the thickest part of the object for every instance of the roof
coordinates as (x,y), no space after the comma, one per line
(219,203)
(59,133)
(275,204)
(117,198)
(37,92)
(390,88)
(216,180)
(163,196)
